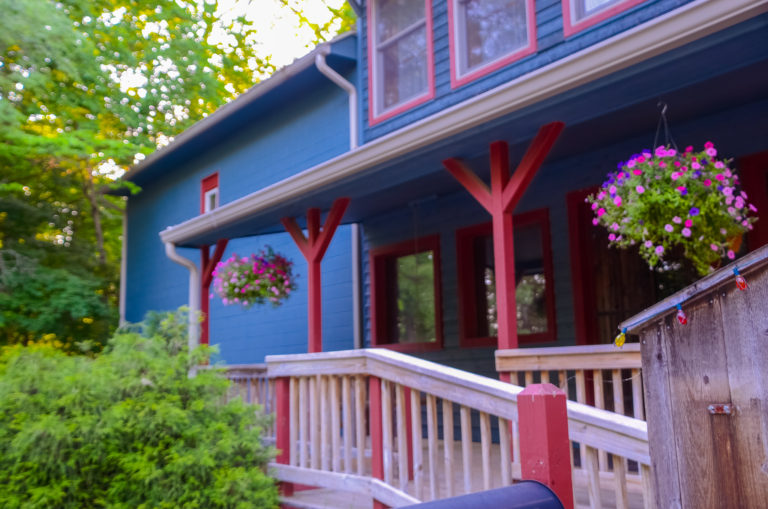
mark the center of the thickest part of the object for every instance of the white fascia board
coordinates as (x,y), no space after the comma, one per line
(683,25)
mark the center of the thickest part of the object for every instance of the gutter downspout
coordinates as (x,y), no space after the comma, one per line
(194,292)
(349,88)
(123,267)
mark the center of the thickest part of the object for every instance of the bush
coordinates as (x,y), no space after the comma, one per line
(126,428)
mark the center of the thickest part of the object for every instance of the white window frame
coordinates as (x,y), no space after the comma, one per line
(460,73)
(573,24)
(375,62)
(207,199)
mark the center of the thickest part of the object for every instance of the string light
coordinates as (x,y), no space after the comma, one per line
(681,317)
(741,283)
(621,338)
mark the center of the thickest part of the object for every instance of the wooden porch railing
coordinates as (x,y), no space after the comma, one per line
(398,429)
(602,376)
(251,383)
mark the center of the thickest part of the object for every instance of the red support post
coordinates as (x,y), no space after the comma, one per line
(500,201)
(283,427)
(544,444)
(377,432)
(207,265)
(313,248)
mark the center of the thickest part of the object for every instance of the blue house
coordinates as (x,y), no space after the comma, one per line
(393,133)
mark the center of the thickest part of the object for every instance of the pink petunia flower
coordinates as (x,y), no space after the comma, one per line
(640,189)
(595,221)
(600,212)
(659,250)
(677,220)
(714,247)
(731,255)
(637,172)
(689,222)
(648,244)
(707,182)
(669,227)
(686,232)
(617,201)
(711,152)
(612,237)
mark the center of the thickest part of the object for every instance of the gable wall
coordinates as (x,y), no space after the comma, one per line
(551,46)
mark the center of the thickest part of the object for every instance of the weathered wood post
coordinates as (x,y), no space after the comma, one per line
(706,390)
(544,444)
(283,427)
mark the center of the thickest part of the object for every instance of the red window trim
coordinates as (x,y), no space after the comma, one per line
(378,302)
(465,258)
(458,81)
(207,184)
(374,119)
(753,170)
(584,300)
(571,27)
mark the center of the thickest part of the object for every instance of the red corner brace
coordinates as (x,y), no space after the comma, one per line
(206,277)
(500,200)
(313,249)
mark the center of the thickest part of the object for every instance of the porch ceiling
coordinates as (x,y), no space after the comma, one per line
(696,79)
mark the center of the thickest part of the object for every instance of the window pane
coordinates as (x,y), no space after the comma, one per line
(490,29)
(393,16)
(531,283)
(588,7)
(404,68)
(412,300)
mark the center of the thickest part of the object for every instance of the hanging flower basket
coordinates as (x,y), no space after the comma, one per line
(258,279)
(667,202)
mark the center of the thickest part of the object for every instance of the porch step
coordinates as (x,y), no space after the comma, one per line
(322,498)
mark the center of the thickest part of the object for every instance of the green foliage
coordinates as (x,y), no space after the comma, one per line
(126,428)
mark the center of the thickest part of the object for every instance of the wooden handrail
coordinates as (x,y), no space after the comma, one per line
(569,357)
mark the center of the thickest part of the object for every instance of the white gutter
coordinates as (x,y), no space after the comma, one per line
(657,36)
(194,293)
(348,87)
(123,268)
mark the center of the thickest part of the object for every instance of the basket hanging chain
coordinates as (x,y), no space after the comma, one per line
(668,140)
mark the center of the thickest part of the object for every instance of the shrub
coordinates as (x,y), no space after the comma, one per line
(126,428)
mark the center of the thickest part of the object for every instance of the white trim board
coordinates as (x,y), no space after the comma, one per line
(685,24)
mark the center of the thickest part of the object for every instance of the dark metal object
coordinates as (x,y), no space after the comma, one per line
(523,495)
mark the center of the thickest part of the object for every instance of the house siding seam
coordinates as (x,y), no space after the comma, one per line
(551,43)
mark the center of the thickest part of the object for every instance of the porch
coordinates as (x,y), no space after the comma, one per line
(369,426)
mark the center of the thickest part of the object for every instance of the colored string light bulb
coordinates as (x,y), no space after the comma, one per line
(621,338)
(741,283)
(681,317)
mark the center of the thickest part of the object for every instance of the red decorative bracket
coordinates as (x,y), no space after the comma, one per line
(500,200)
(207,264)
(313,248)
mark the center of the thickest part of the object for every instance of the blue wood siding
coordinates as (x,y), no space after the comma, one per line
(551,46)
(308,131)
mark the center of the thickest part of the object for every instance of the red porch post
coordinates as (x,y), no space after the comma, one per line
(544,444)
(313,249)
(207,264)
(377,432)
(500,201)
(283,427)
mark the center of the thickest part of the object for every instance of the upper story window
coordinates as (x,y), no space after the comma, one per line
(405,295)
(209,193)
(534,289)
(488,34)
(580,14)
(400,56)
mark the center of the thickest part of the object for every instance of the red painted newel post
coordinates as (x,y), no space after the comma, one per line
(313,247)
(283,427)
(377,432)
(544,444)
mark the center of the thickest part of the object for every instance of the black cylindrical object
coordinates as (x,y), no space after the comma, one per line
(523,495)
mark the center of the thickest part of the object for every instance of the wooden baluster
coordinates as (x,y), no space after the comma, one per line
(593,475)
(314,421)
(528,378)
(637,395)
(649,498)
(516,443)
(377,444)
(448,446)
(485,444)
(418,446)
(295,410)
(620,480)
(402,437)
(562,382)
(386,419)
(432,445)
(360,427)
(303,424)
(545,377)
(346,410)
(335,424)
(466,447)
(597,385)
(618,392)
(504,426)
(581,397)
(325,425)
